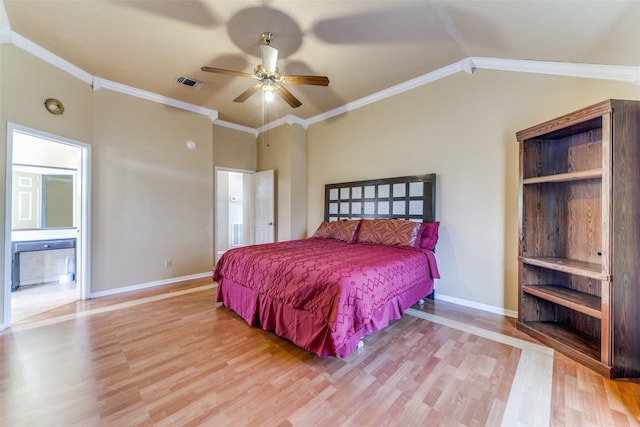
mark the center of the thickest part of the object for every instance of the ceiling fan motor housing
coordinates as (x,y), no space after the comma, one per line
(269,57)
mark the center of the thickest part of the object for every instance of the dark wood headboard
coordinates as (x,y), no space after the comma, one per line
(407,197)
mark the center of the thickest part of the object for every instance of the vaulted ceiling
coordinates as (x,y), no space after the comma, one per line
(364,47)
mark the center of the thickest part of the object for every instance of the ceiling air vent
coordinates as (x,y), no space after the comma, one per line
(186,81)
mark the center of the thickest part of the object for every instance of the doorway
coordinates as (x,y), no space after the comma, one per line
(244,208)
(46,229)
(233,209)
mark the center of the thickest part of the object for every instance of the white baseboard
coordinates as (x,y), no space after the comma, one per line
(471,304)
(453,300)
(148,285)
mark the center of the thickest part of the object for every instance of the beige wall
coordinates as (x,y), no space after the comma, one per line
(284,149)
(463,129)
(152,196)
(25,83)
(234,149)
(298,204)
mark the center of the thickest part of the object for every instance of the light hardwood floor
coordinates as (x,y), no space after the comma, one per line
(172,356)
(28,301)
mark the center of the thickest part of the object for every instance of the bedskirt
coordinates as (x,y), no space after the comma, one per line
(302,327)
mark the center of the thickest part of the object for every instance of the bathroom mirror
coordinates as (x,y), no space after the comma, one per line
(43,198)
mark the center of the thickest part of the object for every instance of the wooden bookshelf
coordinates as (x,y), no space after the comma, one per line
(579,236)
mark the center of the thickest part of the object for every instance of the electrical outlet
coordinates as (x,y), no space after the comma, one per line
(167,263)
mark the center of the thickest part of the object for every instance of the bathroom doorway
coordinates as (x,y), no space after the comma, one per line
(47,205)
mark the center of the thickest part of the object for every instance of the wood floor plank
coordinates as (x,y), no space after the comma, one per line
(172,356)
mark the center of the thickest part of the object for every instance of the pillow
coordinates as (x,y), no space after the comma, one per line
(344,230)
(389,232)
(428,235)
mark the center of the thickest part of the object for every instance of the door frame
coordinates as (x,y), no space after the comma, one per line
(83,225)
(215,203)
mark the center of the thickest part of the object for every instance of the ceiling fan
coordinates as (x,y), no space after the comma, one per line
(269,76)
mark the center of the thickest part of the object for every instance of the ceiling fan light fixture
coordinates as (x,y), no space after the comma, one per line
(268,95)
(268,87)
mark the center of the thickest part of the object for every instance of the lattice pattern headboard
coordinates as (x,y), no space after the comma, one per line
(407,197)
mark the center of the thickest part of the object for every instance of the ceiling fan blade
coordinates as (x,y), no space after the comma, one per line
(247,93)
(228,72)
(288,97)
(306,80)
(269,57)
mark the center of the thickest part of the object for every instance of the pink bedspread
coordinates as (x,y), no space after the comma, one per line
(323,295)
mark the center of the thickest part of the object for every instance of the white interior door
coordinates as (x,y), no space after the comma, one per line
(264,206)
(25,196)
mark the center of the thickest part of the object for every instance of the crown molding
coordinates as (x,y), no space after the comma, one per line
(5,26)
(5,34)
(99,83)
(40,52)
(393,90)
(468,65)
(236,126)
(286,120)
(569,69)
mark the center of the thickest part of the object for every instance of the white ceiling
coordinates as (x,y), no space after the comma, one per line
(364,47)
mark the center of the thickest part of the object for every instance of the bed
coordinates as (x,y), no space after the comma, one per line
(369,260)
